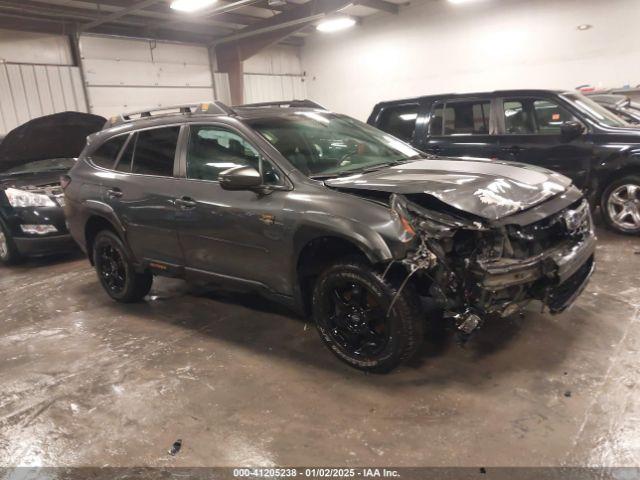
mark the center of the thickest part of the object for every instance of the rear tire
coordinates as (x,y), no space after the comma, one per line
(116,271)
(620,205)
(350,304)
(9,254)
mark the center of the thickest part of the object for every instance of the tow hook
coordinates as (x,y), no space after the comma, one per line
(467,322)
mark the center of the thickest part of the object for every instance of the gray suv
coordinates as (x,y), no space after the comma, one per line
(329,216)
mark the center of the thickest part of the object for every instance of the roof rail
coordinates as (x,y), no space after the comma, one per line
(213,108)
(286,104)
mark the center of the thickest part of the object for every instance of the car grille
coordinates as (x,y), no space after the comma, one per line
(571,223)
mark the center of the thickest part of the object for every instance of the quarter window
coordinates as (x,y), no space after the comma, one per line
(400,121)
(155,151)
(126,159)
(105,156)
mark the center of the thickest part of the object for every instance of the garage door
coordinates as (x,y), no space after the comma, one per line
(128,75)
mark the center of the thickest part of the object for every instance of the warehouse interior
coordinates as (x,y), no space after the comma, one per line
(238,381)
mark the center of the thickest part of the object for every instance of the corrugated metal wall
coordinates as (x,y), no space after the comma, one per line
(127,75)
(274,74)
(28,91)
(266,88)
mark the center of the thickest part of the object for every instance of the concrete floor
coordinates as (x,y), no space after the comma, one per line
(86,381)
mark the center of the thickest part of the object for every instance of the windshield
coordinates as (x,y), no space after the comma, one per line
(594,110)
(322,144)
(42,166)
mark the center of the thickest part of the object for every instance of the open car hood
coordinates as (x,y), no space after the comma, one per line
(487,189)
(61,135)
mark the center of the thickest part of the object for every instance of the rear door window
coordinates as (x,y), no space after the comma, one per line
(105,156)
(468,117)
(155,151)
(400,121)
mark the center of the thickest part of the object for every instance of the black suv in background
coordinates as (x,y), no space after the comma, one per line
(329,216)
(562,131)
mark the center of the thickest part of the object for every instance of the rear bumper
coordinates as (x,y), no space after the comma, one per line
(41,246)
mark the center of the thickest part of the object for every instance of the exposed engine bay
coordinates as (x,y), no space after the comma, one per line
(475,269)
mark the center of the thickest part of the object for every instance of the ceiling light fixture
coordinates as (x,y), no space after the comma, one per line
(334,24)
(585,26)
(460,1)
(191,5)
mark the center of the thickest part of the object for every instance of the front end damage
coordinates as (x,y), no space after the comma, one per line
(475,269)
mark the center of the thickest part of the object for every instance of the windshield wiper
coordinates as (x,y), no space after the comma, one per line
(372,168)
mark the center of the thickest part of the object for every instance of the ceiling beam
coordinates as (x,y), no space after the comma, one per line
(381,5)
(31,23)
(71,14)
(298,17)
(159,11)
(119,14)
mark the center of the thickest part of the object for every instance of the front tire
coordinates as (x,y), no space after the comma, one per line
(350,304)
(620,205)
(116,271)
(9,254)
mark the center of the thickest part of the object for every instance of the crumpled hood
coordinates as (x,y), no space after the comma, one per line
(485,188)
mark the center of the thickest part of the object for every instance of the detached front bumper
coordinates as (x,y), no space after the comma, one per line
(559,275)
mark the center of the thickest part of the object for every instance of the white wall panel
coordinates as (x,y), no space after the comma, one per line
(276,60)
(30,91)
(126,75)
(28,47)
(114,100)
(438,47)
(223,91)
(266,88)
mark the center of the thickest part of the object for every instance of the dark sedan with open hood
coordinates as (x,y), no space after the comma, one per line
(32,159)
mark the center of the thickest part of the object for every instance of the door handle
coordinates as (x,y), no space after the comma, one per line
(513,150)
(185,203)
(114,192)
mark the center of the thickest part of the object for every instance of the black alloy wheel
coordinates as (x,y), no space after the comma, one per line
(358,320)
(116,271)
(358,323)
(111,269)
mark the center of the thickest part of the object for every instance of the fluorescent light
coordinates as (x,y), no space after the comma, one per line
(335,24)
(585,26)
(191,5)
(460,1)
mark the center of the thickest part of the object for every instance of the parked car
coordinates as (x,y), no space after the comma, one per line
(562,131)
(32,158)
(329,216)
(621,105)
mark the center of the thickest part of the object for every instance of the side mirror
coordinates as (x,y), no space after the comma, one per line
(571,129)
(240,178)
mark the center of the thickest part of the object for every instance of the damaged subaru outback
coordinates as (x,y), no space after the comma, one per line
(328,215)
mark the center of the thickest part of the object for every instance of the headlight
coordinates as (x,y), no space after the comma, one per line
(23,198)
